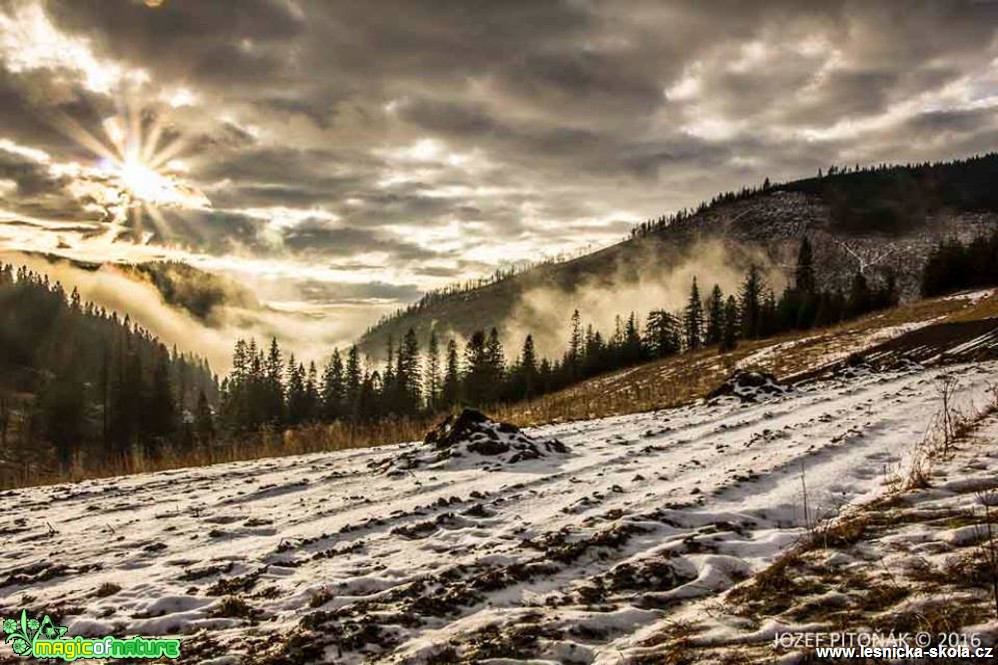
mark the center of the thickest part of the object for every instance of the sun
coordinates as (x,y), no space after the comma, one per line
(151,187)
(148,175)
(138,175)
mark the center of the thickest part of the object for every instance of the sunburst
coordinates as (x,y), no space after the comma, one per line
(136,170)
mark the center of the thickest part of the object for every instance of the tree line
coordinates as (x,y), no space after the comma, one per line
(953,266)
(76,379)
(883,197)
(268,390)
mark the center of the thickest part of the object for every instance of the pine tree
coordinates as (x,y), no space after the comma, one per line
(693,318)
(715,317)
(388,378)
(274,385)
(751,303)
(451,391)
(161,413)
(729,335)
(768,315)
(312,399)
(573,359)
(495,358)
(297,400)
(633,350)
(661,333)
(594,352)
(407,375)
(352,382)
(528,368)
(333,388)
(804,277)
(204,422)
(61,415)
(432,379)
(477,378)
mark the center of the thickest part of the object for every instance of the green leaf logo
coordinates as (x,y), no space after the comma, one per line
(22,632)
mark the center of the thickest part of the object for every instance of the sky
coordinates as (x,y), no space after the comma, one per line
(342,157)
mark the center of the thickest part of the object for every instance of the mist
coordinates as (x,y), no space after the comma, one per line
(310,331)
(661,281)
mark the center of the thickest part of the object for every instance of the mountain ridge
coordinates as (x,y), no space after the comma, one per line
(879,220)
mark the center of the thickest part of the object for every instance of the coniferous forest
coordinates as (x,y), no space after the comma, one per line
(270,390)
(77,382)
(953,266)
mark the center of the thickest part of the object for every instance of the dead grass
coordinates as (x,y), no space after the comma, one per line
(233,607)
(677,380)
(308,439)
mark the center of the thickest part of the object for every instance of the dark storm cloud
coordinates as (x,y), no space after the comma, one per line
(549,120)
(315,237)
(33,109)
(215,41)
(37,193)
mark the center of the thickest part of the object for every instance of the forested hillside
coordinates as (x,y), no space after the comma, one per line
(78,381)
(183,286)
(268,393)
(881,220)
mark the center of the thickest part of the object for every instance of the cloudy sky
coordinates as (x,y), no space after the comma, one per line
(353,154)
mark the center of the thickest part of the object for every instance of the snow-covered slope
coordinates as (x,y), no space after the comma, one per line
(327,558)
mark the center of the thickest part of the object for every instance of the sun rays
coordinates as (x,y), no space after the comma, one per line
(137,175)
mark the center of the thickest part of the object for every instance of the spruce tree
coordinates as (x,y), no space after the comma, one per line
(768,315)
(274,391)
(633,350)
(528,368)
(162,417)
(352,382)
(804,276)
(573,358)
(333,388)
(297,400)
(407,375)
(751,303)
(312,396)
(496,359)
(388,378)
(661,332)
(693,318)
(729,335)
(432,379)
(715,317)
(477,377)
(451,390)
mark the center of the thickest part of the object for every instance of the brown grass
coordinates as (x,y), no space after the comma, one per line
(308,439)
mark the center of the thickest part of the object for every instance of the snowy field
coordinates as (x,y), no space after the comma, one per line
(566,559)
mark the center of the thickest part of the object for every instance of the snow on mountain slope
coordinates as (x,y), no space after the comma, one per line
(323,558)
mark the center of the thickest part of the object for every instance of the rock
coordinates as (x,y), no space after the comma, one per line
(471,438)
(749,386)
(856,365)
